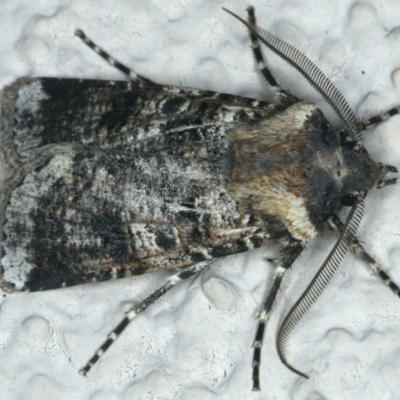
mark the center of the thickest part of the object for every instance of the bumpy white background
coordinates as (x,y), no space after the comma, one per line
(195,343)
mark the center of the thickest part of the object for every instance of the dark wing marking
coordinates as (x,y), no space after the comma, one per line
(85,217)
(120,115)
(110,212)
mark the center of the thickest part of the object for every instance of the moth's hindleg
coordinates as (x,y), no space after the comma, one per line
(281,96)
(289,254)
(132,75)
(131,314)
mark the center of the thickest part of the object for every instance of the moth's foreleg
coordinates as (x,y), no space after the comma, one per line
(357,248)
(280,95)
(289,254)
(131,314)
(132,75)
(376,119)
(379,118)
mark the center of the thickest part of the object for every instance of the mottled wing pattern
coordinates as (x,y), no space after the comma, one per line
(121,115)
(107,180)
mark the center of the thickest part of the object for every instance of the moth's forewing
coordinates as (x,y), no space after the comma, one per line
(108,180)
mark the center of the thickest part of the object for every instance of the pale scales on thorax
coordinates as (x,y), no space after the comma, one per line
(291,167)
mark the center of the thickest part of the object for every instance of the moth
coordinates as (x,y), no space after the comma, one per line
(109,179)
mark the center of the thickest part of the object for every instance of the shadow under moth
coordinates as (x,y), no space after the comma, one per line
(109,179)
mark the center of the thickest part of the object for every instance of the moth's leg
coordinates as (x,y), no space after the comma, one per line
(376,119)
(132,75)
(357,248)
(131,314)
(379,118)
(280,95)
(289,254)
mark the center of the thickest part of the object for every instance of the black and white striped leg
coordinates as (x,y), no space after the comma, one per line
(281,96)
(289,254)
(132,75)
(376,119)
(131,314)
(379,118)
(359,250)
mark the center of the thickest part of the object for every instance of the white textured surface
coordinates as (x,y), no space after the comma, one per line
(195,343)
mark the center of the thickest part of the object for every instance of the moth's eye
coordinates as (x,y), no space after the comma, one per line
(348,200)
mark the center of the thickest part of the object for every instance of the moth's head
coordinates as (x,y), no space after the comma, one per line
(363,173)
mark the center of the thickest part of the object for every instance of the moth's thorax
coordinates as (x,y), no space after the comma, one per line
(291,167)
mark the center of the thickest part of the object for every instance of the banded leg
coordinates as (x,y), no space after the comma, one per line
(379,118)
(130,315)
(281,96)
(359,250)
(289,254)
(132,75)
(376,119)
